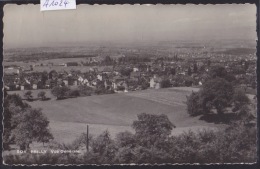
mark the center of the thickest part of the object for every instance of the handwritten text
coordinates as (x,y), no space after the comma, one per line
(57,4)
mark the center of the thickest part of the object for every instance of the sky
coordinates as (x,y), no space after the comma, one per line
(27,26)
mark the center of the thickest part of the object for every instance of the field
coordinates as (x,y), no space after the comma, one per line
(116,112)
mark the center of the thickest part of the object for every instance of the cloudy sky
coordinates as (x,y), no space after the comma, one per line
(27,26)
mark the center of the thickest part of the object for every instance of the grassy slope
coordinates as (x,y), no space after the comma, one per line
(118,109)
(116,112)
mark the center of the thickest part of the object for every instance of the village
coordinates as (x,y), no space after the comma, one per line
(124,74)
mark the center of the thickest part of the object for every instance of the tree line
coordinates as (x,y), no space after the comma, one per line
(153,143)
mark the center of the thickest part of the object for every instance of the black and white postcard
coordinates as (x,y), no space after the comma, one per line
(130,84)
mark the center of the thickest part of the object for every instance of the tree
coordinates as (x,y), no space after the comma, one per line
(188,81)
(85,90)
(16,100)
(240,100)
(253,84)
(60,92)
(217,71)
(53,74)
(151,129)
(125,71)
(28,95)
(32,126)
(5,93)
(104,147)
(194,104)
(125,139)
(44,78)
(217,93)
(108,60)
(73,93)
(10,103)
(238,70)
(195,68)
(41,95)
(231,78)
(189,71)
(209,62)
(173,71)
(143,83)
(166,83)
(246,66)
(85,139)
(100,87)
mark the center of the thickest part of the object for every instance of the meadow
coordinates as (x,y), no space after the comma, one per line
(116,112)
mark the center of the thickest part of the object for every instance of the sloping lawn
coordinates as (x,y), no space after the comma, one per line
(116,112)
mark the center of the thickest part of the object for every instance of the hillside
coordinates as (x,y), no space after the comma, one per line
(116,112)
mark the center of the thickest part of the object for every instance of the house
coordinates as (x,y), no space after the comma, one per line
(7,87)
(80,79)
(65,81)
(95,69)
(93,82)
(60,82)
(35,84)
(108,84)
(23,86)
(75,83)
(48,83)
(116,73)
(11,71)
(152,82)
(27,81)
(120,86)
(119,83)
(99,77)
(155,82)
(135,69)
(86,81)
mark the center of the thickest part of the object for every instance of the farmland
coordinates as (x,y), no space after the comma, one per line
(116,112)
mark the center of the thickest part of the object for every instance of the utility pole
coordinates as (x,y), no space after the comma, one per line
(87,138)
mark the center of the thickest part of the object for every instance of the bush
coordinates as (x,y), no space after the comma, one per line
(120,88)
(60,92)
(235,144)
(104,147)
(166,83)
(240,100)
(151,129)
(85,90)
(124,139)
(28,95)
(73,93)
(42,95)
(125,155)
